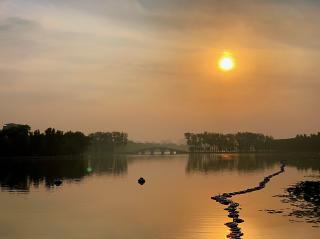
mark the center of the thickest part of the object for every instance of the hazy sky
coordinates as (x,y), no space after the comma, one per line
(148,67)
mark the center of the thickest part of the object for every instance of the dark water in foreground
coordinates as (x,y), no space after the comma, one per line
(100,197)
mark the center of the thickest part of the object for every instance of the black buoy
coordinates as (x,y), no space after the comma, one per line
(58,182)
(141,181)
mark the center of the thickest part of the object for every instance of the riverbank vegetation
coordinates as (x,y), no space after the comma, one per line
(249,142)
(19,140)
(103,142)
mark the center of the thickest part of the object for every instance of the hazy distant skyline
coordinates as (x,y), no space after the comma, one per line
(148,67)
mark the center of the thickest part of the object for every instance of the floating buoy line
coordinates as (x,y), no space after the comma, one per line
(225,199)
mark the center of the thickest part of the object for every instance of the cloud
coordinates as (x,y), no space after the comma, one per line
(157,58)
(258,22)
(19,40)
(286,22)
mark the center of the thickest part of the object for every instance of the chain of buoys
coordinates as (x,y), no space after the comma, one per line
(235,230)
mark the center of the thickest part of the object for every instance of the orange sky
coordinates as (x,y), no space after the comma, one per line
(149,67)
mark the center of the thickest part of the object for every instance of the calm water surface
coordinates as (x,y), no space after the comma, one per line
(100,197)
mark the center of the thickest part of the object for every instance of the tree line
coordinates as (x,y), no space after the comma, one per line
(302,142)
(216,142)
(19,140)
(249,142)
(107,141)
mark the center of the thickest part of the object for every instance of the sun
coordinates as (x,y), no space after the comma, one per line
(226,62)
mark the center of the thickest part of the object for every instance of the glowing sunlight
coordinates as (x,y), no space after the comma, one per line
(226,62)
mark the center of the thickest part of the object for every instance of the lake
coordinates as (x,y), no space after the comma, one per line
(100,198)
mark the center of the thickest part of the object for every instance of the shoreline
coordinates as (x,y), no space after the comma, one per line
(82,156)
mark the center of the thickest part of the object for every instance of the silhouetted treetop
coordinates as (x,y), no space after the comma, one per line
(19,140)
(108,141)
(249,142)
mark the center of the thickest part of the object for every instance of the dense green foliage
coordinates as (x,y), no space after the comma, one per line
(18,140)
(249,142)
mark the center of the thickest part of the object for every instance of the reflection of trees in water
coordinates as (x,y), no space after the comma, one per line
(250,162)
(22,174)
(108,164)
(227,162)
